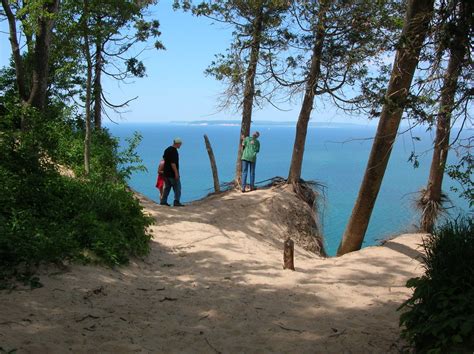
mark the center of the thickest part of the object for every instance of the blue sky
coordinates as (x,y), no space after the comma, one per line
(175,87)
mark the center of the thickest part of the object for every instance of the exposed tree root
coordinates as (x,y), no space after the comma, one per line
(430,209)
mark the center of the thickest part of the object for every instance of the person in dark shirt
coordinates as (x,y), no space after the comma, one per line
(171,173)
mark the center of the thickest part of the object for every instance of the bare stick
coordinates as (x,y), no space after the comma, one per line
(288,254)
(213,164)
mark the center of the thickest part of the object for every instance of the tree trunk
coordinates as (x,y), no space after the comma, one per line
(418,16)
(215,176)
(87,137)
(249,91)
(98,85)
(17,58)
(294,173)
(40,75)
(432,197)
(87,53)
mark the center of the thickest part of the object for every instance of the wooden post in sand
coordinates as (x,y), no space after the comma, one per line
(213,164)
(288,254)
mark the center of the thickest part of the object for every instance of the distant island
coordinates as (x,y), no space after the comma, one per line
(265,123)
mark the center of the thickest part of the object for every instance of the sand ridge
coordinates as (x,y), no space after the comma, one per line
(214,283)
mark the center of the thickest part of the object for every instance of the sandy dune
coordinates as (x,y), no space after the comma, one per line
(214,283)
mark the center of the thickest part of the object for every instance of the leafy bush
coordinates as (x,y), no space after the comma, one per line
(107,161)
(47,217)
(462,172)
(440,314)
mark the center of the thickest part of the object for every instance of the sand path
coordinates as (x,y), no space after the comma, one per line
(214,283)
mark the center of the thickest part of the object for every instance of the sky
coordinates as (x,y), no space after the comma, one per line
(175,87)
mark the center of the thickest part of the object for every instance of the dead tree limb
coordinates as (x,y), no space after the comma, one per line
(215,176)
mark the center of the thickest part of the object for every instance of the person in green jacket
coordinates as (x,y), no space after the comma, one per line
(250,146)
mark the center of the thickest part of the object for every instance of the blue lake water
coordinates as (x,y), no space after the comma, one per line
(334,156)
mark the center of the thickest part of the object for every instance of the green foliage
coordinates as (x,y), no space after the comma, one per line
(116,27)
(44,215)
(258,33)
(462,172)
(48,217)
(128,160)
(439,317)
(108,162)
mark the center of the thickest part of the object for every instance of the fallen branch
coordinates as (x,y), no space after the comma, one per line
(290,329)
(166,298)
(212,346)
(88,316)
(338,334)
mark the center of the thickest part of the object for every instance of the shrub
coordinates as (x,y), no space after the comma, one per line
(107,161)
(439,317)
(46,217)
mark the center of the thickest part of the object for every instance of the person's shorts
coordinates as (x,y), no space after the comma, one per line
(160,181)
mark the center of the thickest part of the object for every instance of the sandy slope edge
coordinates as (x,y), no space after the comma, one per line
(214,283)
